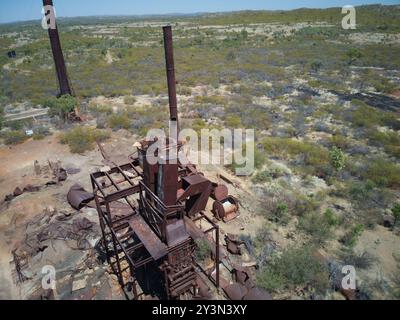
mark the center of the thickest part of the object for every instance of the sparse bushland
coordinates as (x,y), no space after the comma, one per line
(362,260)
(247,78)
(383,85)
(280,213)
(198,125)
(81,139)
(41,132)
(309,157)
(216,100)
(129,100)
(119,121)
(261,176)
(259,158)
(390,141)
(184,91)
(268,174)
(352,235)
(319,226)
(368,117)
(233,121)
(100,109)
(14,137)
(339,141)
(382,172)
(18,125)
(294,267)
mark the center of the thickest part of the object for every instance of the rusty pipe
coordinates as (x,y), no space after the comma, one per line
(58,57)
(169,62)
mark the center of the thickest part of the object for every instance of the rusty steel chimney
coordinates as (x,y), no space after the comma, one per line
(169,61)
(59,62)
(167,184)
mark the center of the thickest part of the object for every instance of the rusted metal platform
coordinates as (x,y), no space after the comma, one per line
(151,242)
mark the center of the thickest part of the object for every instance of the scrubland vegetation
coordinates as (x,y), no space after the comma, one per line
(327,163)
(81,139)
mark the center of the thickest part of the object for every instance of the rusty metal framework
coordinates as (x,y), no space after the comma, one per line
(149,213)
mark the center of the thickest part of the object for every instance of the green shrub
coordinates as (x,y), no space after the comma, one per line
(339,141)
(119,121)
(129,100)
(351,237)
(361,191)
(318,226)
(396,213)
(203,250)
(384,85)
(198,124)
(382,172)
(61,106)
(390,141)
(81,139)
(18,125)
(184,91)
(280,214)
(337,158)
(217,100)
(14,137)
(316,159)
(233,121)
(331,218)
(40,133)
(101,109)
(353,55)
(368,117)
(305,205)
(262,176)
(294,267)
(359,260)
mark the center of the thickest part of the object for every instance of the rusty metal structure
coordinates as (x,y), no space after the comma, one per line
(59,62)
(149,210)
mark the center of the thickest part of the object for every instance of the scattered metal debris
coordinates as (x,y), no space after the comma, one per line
(59,172)
(78,197)
(233,244)
(20,262)
(18,192)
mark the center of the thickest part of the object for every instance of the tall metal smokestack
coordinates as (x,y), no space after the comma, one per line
(169,61)
(59,62)
(167,182)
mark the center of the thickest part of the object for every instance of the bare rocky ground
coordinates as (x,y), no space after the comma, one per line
(79,275)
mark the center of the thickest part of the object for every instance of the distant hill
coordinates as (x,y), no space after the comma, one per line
(375,17)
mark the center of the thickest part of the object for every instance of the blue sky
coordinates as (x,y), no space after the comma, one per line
(19,10)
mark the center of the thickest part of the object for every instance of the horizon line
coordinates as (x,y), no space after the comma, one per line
(177,14)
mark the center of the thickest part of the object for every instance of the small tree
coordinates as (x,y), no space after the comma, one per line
(353,55)
(61,106)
